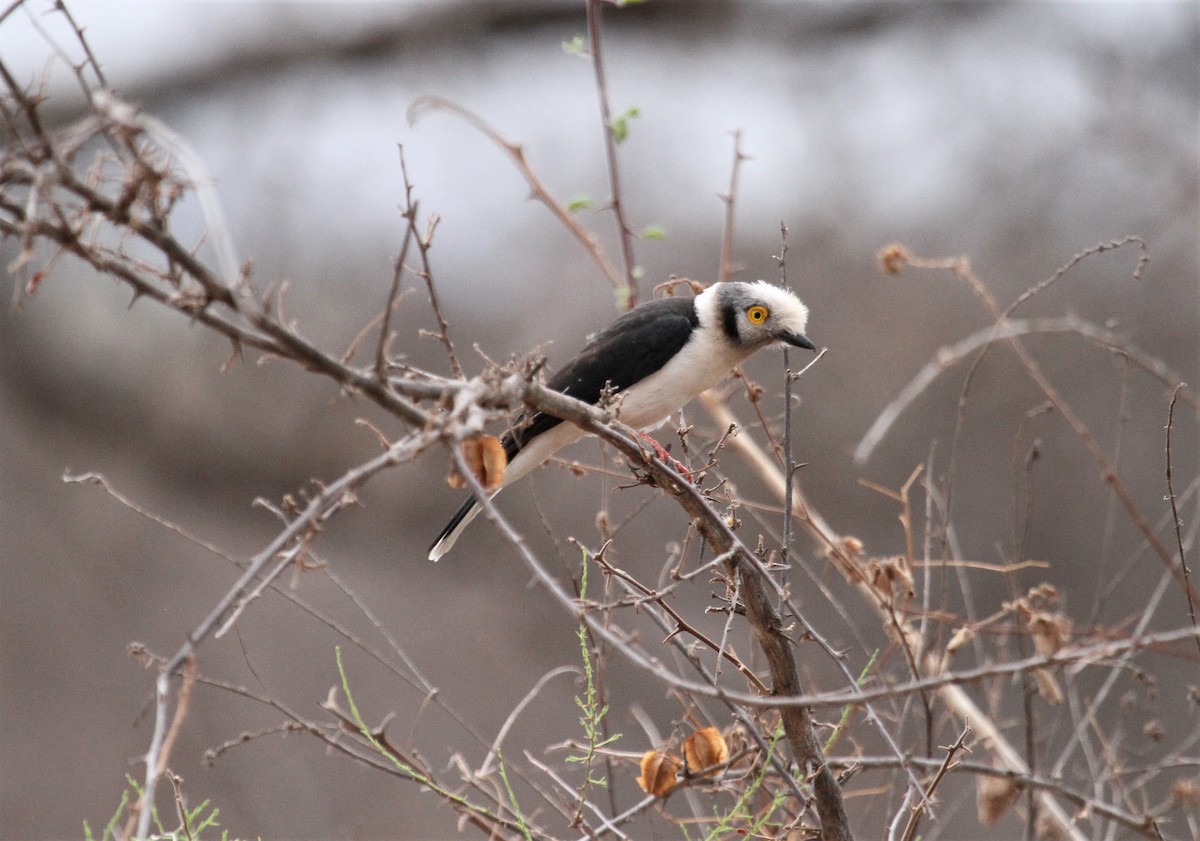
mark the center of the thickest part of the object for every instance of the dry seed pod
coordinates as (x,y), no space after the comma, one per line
(485,457)
(658,773)
(705,748)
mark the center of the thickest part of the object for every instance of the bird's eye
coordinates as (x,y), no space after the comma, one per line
(757,314)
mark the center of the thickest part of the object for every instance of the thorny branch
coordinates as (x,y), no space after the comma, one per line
(1183,564)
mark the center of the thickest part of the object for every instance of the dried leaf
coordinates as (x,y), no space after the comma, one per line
(705,748)
(1048,686)
(960,638)
(1050,829)
(993,797)
(1051,631)
(891,576)
(659,771)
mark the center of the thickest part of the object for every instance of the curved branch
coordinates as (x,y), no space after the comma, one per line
(950,355)
(516,154)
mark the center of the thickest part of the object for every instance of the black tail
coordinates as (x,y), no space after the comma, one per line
(450,533)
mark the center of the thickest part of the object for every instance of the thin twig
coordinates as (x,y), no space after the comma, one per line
(409,214)
(725,267)
(485,767)
(424,243)
(516,153)
(624,232)
(1144,824)
(681,624)
(949,355)
(914,819)
(1183,565)
(789,463)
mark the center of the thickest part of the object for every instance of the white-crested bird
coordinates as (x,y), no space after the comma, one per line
(657,357)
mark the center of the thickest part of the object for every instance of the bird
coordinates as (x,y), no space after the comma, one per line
(655,358)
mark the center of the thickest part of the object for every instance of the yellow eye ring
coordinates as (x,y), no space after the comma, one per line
(757,314)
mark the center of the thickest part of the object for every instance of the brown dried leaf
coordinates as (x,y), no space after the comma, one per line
(659,771)
(1051,631)
(993,797)
(705,748)
(1044,592)
(1050,829)
(1048,686)
(891,576)
(960,638)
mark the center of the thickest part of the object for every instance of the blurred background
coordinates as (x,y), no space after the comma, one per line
(1017,134)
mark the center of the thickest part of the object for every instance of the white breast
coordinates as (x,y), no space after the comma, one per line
(704,361)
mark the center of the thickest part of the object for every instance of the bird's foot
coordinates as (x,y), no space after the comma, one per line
(666,458)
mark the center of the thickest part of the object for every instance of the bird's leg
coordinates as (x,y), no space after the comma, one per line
(666,458)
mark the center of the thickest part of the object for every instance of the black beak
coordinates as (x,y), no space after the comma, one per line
(798,340)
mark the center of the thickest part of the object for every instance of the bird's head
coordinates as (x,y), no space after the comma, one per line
(753,315)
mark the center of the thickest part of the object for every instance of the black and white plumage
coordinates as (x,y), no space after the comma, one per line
(657,356)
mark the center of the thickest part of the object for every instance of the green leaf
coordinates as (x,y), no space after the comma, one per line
(619,126)
(576,46)
(579,203)
(654,232)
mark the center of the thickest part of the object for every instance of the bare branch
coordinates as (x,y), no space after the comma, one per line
(629,292)
(516,154)
(1183,565)
(725,268)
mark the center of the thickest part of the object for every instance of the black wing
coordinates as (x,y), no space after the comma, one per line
(625,352)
